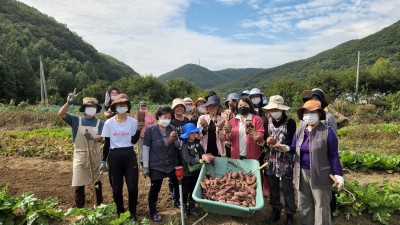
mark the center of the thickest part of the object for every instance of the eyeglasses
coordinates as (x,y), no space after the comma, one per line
(143,105)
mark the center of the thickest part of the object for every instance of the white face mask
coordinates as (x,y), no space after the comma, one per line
(256,100)
(113,97)
(188,108)
(276,115)
(201,109)
(164,122)
(122,109)
(90,111)
(311,118)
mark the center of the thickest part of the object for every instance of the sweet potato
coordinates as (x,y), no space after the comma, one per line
(240,194)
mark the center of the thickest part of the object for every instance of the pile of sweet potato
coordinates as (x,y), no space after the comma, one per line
(233,188)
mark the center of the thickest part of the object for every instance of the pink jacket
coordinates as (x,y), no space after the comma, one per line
(253,150)
(219,134)
(148,120)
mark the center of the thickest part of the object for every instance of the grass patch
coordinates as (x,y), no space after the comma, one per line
(382,139)
(55,132)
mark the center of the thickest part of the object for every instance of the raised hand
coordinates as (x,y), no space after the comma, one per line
(72,96)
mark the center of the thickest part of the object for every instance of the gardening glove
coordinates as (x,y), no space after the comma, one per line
(103,166)
(71,97)
(145,171)
(221,125)
(140,125)
(249,129)
(88,136)
(281,147)
(204,124)
(340,179)
(228,128)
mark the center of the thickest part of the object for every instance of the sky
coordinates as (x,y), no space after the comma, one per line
(157,36)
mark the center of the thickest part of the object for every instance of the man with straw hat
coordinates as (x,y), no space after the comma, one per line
(86,131)
(279,128)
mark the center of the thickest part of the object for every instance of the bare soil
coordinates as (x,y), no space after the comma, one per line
(47,178)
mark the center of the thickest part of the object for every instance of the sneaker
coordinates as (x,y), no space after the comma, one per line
(193,212)
(186,214)
(155,217)
(177,204)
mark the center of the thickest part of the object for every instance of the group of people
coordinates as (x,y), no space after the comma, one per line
(190,133)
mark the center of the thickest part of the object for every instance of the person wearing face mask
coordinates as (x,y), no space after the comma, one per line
(212,135)
(178,121)
(121,132)
(279,127)
(323,100)
(229,113)
(144,119)
(315,146)
(198,109)
(86,130)
(111,94)
(160,156)
(246,131)
(256,98)
(188,109)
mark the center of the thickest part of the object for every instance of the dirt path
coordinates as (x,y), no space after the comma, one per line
(48,178)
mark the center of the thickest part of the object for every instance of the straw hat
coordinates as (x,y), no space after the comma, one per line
(89,101)
(187,100)
(178,101)
(276,102)
(200,100)
(121,98)
(311,105)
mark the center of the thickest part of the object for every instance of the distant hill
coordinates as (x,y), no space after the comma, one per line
(26,33)
(383,44)
(202,77)
(205,78)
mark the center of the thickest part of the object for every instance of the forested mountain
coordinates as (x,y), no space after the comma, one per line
(202,77)
(205,78)
(383,44)
(69,62)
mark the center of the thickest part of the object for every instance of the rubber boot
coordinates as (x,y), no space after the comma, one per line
(289,219)
(99,192)
(79,196)
(275,216)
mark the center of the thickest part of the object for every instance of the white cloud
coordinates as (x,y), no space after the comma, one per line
(230,2)
(151,36)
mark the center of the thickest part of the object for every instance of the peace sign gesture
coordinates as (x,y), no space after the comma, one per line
(71,97)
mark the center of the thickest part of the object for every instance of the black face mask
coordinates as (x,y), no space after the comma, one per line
(244,110)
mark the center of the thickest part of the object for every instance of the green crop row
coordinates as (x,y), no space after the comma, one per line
(376,199)
(370,161)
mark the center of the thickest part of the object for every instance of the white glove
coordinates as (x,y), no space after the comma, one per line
(107,99)
(71,97)
(340,179)
(281,147)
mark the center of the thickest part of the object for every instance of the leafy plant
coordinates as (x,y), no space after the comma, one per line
(27,209)
(379,201)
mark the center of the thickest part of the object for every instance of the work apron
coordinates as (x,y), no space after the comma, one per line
(81,174)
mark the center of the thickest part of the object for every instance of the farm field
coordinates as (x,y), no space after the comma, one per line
(37,158)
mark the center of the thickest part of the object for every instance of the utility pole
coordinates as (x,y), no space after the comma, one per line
(199,61)
(43,88)
(358,74)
